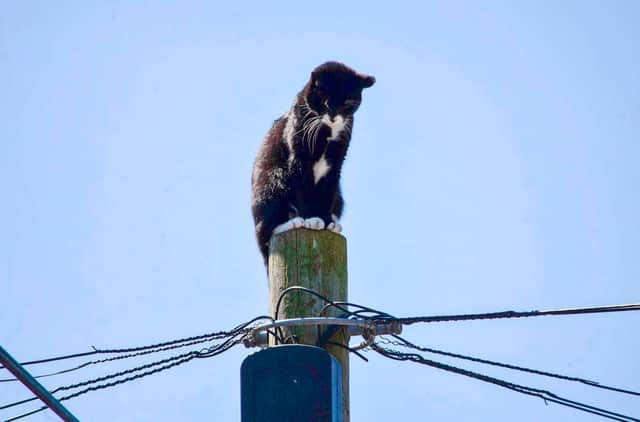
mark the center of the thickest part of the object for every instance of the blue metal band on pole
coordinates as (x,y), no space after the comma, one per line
(32,384)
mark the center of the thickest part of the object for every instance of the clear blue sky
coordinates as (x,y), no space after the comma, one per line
(493,166)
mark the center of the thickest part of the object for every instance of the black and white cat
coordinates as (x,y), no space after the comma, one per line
(296,174)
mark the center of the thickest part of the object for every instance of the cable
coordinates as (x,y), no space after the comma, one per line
(234,337)
(144,350)
(214,336)
(406,343)
(111,384)
(103,378)
(166,364)
(72,356)
(547,396)
(515,314)
(305,290)
(350,349)
(377,314)
(114,358)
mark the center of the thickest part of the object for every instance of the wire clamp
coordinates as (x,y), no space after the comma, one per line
(259,336)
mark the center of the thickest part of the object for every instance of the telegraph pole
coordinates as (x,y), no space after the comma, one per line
(317,260)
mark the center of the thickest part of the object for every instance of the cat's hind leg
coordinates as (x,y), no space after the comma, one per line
(334,226)
(336,212)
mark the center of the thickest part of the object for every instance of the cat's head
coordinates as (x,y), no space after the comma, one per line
(335,89)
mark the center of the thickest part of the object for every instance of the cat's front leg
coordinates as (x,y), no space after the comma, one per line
(294,222)
(328,222)
(314,223)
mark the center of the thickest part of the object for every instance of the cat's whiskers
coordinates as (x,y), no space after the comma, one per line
(305,126)
(348,125)
(316,131)
(314,135)
(309,111)
(309,127)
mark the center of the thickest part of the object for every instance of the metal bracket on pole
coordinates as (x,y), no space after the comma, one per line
(259,337)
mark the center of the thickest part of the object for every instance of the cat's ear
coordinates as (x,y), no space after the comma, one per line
(366,81)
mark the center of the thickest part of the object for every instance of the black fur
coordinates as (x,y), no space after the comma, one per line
(283,184)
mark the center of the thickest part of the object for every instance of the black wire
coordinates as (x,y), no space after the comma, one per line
(302,289)
(103,378)
(111,384)
(115,358)
(170,363)
(145,350)
(377,314)
(204,353)
(547,396)
(273,333)
(354,351)
(516,314)
(590,383)
(72,356)
(215,335)
(306,290)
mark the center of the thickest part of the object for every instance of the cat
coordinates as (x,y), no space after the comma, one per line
(296,175)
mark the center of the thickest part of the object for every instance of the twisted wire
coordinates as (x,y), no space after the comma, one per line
(547,396)
(96,351)
(234,337)
(165,364)
(103,378)
(520,314)
(406,343)
(115,358)
(110,384)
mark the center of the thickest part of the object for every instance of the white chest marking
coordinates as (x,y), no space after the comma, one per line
(337,126)
(320,169)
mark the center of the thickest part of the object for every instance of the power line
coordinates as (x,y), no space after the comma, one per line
(233,337)
(547,396)
(175,362)
(184,357)
(96,351)
(115,358)
(371,316)
(516,314)
(157,366)
(406,343)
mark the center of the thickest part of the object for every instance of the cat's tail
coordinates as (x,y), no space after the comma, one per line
(263,236)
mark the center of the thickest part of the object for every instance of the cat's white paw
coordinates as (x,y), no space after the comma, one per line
(335,227)
(314,223)
(294,223)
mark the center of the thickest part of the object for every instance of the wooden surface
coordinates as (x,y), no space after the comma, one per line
(316,259)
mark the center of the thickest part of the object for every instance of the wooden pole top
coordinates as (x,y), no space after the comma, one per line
(317,260)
